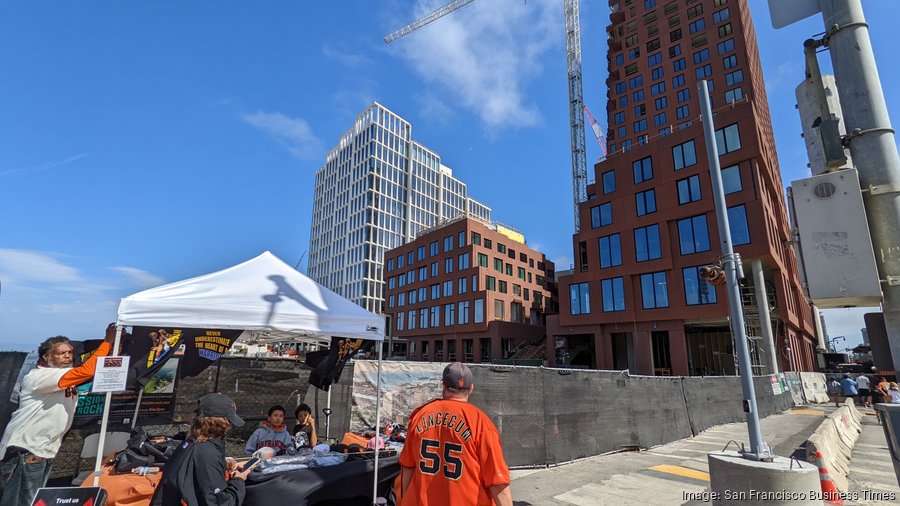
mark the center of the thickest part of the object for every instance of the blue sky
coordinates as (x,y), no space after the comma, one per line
(147,142)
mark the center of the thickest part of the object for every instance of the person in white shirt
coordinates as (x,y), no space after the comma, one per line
(894,393)
(47,405)
(862,383)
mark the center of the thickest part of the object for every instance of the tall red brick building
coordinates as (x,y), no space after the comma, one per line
(634,300)
(467,290)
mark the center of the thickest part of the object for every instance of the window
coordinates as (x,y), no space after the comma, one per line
(620,88)
(448,288)
(618,117)
(674,35)
(643,170)
(735,77)
(498,265)
(509,269)
(474,282)
(488,243)
(461,285)
(461,239)
(703,71)
(697,26)
(626,145)
(637,96)
(482,260)
(499,308)
(400,320)
(501,248)
(501,286)
(697,290)
(728,139)
(623,101)
(609,181)
(664,132)
(463,312)
(645,202)
(693,236)
(620,59)
(682,112)
(661,103)
(649,4)
(622,132)
(476,238)
(601,215)
(684,95)
(675,51)
(734,95)
(517,290)
(434,269)
(401,261)
(409,258)
(737,224)
(720,16)
(678,81)
(657,89)
(643,139)
(679,64)
(654,291)
(390,264)
(726,46)
(684,155)
(401,299)
(420,253)
(653,45)
(435,291)
(433,248)
(490,283)
(448,243)
(654,59)
(701,56)
(610,251)
(580,298)
(613,294)
(731,179)
(640,126)
(635,82)
(730,61)
(391,283)
(391,301)
(640,110)
(412,297)
(633,54)
(646,243)
(410,277)
(423,273)
(520,273)
(725,30)
(695,11)
(659,119)
(435,316)
(688,189)
(463,261)
(449,314)
(423,318)
(478,316)
(448,265)
(658,73)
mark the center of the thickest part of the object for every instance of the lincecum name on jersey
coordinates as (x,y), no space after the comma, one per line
(447,420)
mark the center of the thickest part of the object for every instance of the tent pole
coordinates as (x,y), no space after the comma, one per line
(137,408)
(218,370)
(99,464)
(377,423)
(328,414)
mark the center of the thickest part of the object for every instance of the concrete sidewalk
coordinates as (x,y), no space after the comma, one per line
(664,475)
(872,478)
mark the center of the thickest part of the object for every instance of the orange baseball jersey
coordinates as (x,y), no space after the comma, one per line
(455,452)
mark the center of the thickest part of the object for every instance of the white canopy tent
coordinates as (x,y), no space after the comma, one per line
(266,298)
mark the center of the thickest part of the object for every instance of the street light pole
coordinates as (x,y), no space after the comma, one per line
(732,265)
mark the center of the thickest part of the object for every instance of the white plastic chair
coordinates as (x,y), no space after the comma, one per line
(115,442)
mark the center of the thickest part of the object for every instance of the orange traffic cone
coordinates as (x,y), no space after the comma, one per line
(830,493)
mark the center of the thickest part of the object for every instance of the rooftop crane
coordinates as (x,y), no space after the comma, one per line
(576,96)
(598,130)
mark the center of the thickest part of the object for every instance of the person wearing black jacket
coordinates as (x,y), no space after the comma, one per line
(195,474)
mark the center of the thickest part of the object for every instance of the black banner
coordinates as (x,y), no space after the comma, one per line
(328,364)
(202,347)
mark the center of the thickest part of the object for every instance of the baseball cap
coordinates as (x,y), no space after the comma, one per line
(219,405)
(457,375)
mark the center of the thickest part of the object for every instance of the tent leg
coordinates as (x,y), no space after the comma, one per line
(218,370)
(137,408)
(328,414)
(105,421)
(377,423)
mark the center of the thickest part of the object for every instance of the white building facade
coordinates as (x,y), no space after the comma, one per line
(377,189)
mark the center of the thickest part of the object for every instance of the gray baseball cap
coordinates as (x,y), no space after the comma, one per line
(219,405)
(458,376)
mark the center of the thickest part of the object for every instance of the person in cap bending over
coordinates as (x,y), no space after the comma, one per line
(452,454)
(195,475)
(47,403)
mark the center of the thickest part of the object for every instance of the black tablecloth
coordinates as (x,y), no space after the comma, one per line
(348,484)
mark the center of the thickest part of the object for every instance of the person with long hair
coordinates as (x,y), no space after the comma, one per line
(195,475)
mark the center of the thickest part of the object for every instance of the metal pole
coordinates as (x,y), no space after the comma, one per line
(758,450)
(872,146)
(137,408)
(218,370)
(765,319)
(377,424)
(327,412)
(105,420)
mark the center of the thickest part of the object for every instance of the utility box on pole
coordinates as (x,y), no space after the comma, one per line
(815,122)
(835,245)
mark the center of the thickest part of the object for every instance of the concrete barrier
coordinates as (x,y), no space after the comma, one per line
(795,386)
(815,388)
(831,445)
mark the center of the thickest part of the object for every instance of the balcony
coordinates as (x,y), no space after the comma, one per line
(614,45)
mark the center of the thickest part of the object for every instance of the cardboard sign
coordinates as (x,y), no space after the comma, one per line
(69,496)
(111,374)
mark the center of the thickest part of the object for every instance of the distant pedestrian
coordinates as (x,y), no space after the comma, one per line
(834,391)
(882,389)
(453,453)
(863,382)
(894,393)
(848,387)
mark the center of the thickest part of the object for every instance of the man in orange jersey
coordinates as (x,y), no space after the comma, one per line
(452,455)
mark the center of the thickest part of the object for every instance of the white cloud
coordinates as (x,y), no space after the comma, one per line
(42,167)
(140,277)
(485,55)
(348,59)
(24,265)
(294,134)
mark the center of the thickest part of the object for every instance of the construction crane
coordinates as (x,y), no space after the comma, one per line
(598,130)
(576,96)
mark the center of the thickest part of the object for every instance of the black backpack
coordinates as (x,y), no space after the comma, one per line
(141,452)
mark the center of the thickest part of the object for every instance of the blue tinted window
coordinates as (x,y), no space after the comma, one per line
(580,298)
(654,290)
(696,290)
(609,181)
(646,243)
(601,215)
(645,202)
(693,236)
(610,251)
(613,294)
(737,223)
(688,189)
(731,179)
(643,169)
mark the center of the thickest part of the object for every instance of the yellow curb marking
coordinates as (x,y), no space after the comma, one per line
(808,412)
(681,471)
